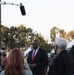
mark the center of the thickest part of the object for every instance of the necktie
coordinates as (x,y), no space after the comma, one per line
(33,54)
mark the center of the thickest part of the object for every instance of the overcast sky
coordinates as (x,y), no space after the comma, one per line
(41,15)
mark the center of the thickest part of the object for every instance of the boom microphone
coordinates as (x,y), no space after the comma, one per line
(22,9)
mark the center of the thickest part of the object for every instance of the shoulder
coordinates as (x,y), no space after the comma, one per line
(3,72)
(43,51)
(28,72)
(62,56)
(63,53)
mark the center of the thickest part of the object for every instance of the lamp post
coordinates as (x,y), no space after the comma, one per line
(22,9)
(0,33)
(31,36)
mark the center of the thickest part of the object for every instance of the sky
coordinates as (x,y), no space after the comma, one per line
(41,15)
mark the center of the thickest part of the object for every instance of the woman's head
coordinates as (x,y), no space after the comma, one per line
(15,63)
(15,58)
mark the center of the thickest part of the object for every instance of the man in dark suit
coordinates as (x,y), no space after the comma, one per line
(62,64)
(37,59)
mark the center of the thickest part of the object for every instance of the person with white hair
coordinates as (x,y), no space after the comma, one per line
(62,64)
(61,43)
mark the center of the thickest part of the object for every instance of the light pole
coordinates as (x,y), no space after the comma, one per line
(22,9)
(31,36)
(0,33)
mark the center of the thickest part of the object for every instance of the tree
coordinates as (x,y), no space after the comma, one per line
(70,35)
(18,37)
(53,33)
(57,32)
(5,39)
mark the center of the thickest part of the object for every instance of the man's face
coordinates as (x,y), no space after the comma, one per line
(35,46)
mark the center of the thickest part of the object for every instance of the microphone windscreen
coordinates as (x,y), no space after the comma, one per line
(22,9)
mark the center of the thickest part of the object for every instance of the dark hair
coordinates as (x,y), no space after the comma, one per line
(72,52)
(15,63)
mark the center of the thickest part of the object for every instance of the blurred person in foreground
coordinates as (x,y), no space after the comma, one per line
(37,59)
(62,64)
(3,60)
(15,64)
(72,54)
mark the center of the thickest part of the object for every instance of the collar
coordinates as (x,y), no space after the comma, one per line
(36,49)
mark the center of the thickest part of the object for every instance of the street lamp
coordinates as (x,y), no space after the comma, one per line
(22,9)
(31,34)
(0,34)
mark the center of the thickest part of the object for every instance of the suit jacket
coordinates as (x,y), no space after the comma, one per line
(41,60)
(62,64)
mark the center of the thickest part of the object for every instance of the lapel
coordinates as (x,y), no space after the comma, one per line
(38,52)
(31,52)
(31,55)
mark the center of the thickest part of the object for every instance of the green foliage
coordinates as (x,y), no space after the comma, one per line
(47,47)
(18,37)
(55,31)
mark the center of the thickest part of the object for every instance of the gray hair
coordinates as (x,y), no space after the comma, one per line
(61,43)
